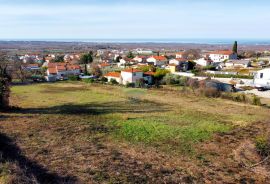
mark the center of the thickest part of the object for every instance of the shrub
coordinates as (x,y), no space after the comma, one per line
(88,80)
(130,85)
(263,145)
(210,92)
(73,78)
(229,76)
(114,82)
(256,100)
(183,81)
(239,97)
(140,83)
(193,84)
(169,79)
(104,79)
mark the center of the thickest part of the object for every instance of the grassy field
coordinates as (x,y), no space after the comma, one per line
(90,133)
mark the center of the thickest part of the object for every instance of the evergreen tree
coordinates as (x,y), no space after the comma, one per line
(5,80)
(86,59)
(235,47)
(130,55)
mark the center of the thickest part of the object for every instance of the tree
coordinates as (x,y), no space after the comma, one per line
(235,47)
(117,59)
(86,59)
(96,71)
(147,68)
(192,54)
(160,73)
(59,58)
(18,69)
(130,55)
(5,80)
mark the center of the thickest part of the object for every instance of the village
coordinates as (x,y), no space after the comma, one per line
(234,70)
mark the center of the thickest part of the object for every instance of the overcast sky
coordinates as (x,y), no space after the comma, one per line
(133,19)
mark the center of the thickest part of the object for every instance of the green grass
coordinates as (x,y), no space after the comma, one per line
(155,131)
(153,118)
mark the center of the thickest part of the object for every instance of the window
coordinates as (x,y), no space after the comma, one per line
(261,75)
(134,74)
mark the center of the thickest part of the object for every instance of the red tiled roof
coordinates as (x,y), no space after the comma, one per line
(52,70)
(113,74)
(181,59)
(61,68)
(160,58)
(149,73)
(222,52)
(131,70)
(73,67)
(58,67)
(142,57)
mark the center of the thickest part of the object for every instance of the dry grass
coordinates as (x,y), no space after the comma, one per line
(81,133)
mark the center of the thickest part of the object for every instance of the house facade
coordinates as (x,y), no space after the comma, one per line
(131,75)
(203,61)
(179,55)
(262,78)
(238,63)
(114,76)
(177,61)
(157,60)
(220,56)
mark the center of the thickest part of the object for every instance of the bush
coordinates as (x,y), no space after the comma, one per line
(183,81)
(229,76)
(104,79)
(114,82)
(88,80)
(263,145)
(130,85)
(73,78)
(169,79)
(210,92)
(140,83)
(239,97)
(256,101)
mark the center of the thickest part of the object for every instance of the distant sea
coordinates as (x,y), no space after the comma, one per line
(180,41)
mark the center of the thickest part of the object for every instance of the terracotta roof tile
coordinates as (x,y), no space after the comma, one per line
(113,74)
(223,52)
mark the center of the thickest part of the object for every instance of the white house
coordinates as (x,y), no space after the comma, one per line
(220,56)
(179,55)
(262,78)
(139,59)
(144,52)
(177,61)
(114,75)
(131,75)
(157,60)
(238,63)
(203,61)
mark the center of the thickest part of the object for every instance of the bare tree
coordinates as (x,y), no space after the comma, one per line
(95,70)
(192,54)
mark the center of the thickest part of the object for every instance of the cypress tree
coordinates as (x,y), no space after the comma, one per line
(235,47)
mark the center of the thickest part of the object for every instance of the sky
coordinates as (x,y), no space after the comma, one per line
(134,19)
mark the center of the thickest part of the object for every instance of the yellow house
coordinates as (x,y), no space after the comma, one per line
(172,68)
